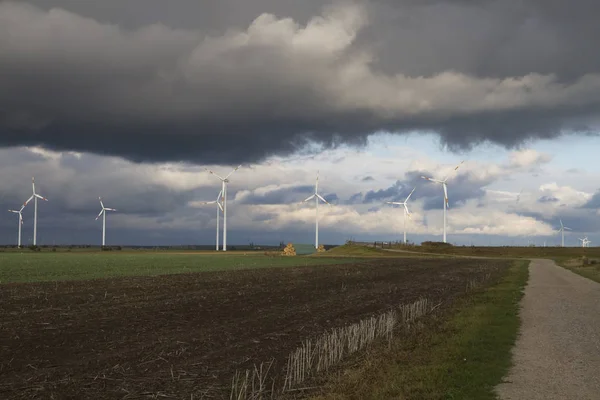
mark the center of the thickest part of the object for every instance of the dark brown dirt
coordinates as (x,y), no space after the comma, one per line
(182,335)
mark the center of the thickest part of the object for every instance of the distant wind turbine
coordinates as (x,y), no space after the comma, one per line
(20,212)
(562,232)
(218,201)
(406,212)
(443,182)
(103,213)
(224,182)
(584,242)
(35,198)
(317,197)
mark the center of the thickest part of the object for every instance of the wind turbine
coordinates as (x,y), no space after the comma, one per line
(224,182)
(218,201)
(317,197)
(406,212)
(103,213)
(20,212)
(35,198)
(443,182)
(562,231)
(584,242)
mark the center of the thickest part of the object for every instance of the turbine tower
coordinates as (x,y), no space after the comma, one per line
(562,232)
(20,212)
(219,202)
(317,197)
(35,198)
(406,212)
(224,182)
(103,213)
(443,182)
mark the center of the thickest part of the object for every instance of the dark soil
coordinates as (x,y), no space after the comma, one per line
(184,336)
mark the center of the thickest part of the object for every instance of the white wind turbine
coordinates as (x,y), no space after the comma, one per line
(224,182)
(584,242)
(20,212)
(103,213)
(406,212)
(443,182)
(35,198)
(317,197)
(218,201)
(562,232)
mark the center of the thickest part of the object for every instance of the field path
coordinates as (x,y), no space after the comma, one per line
(557,354)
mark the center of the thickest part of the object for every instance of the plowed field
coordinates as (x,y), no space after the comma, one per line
(175,336)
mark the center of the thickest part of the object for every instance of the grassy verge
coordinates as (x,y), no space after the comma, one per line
(590,271)
(34,267)
(462,353)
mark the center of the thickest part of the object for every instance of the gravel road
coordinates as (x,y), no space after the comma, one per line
(557,354)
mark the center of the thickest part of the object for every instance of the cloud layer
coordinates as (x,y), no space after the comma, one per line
(237,93)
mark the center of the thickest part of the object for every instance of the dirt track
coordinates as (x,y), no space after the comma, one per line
(180,335)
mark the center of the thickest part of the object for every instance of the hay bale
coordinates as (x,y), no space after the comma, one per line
(320,249)
(289,250)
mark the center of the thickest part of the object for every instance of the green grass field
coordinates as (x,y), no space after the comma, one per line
(31,267)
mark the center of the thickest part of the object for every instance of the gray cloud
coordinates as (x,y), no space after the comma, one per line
(594,202)
(285,195)
(461,188)
(547,199)
(221,84)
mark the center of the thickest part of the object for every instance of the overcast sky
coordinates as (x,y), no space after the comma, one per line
(132,100)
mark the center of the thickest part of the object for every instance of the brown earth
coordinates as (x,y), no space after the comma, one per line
(184,336)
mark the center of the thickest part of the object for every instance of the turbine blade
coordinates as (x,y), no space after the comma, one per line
(236,168)
(455,168)
(459,164)
(13,211)
(101,203)
(394,202)
(208,202)
(561,224)
(220,206)
(219,196)
(99,214)
(432,180)
(324,201)
(33,184)
(211,172)
(309,198)
(28,200)
(110,209)
(409,195)
(41,197)
(406,208)
(569,229)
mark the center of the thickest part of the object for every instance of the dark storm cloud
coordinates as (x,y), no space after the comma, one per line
(367,179)
(222,82)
